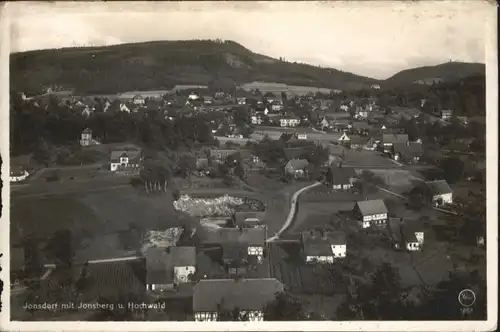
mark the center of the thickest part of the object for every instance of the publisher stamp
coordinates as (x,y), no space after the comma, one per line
(467,298)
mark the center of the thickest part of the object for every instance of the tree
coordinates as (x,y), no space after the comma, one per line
(453,169)
(155,175)
(286,307)
(42,153)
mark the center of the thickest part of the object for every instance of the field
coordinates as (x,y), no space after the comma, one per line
(99,221)
(367,159)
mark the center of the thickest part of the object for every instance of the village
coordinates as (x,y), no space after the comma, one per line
(301,191)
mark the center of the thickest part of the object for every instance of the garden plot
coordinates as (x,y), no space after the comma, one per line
(223,206)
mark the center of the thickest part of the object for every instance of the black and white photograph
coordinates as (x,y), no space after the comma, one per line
(270,165)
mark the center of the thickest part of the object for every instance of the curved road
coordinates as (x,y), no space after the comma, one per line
(291,213)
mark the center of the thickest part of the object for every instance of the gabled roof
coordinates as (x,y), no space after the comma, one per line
(319,243)
(297,163)
(293,153)
(357,139)
(411,150)
(375,206)
(241,236)
(342,175)
(245,294)
(438,187)
(160,262)
(87,131)
(131,154)
(395,138)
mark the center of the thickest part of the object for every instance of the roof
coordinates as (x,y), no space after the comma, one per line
(243,236)
(357,139)
(375,206)
(342,175)
(438,187)
(319,244)
(297,163)
(113,279)
(160,262)
(132,154)
(411,150)
(395,138)
(250,217)
(87,131)
(244,294)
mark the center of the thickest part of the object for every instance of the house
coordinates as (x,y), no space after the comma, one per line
(440,192)
(408,153)
(241,100)
(302,136)
(323,247)
(375,87)
(361,113)
(86,137)
(257,119)
(249,219)
(344,108)
(219,95)
(125,159)
(371,212)
(251,241)
(18,173)
(324,123)
(139,100)
(167,267)
(357,141)
(297,168)
(340,178)
(406,234)
(289,122)
(220,155)
(248,296)
(124,108)
(446,114)
(193,96)
(388,141)
(277,106)
(208,100)
(344,140)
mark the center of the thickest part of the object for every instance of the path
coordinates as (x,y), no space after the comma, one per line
(291,213)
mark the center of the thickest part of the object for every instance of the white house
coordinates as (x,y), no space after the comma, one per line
(249,296)
(323,247)
(407,234)
(371,213)
(375,87)
(344,108)
(124,108)
(297,168)
(124,159)
(167,267)
(289,122)
(440,191)
(257,119)
(241,100)
(193,96)
(302,136)
(139,100)
(86,137)
(344,139)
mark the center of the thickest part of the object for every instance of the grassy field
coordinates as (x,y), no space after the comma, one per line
(99,221)
(365,158)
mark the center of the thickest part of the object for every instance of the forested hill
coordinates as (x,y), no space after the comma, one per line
(446,72)
(161,65)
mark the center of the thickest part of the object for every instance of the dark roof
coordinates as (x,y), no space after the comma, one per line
(113,279)
(244,294)
(87,131)
(342,175)
(411,150)
(319,244)
(243,236)
(404,228)
(357,139)
(160,262)
(375,206)
(297,164)
(250,217)
(395,138)
(438,187)
(132,154)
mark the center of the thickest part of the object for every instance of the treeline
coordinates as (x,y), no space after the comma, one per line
(57,124)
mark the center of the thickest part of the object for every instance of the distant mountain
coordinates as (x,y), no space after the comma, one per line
(161,65)
(450,71)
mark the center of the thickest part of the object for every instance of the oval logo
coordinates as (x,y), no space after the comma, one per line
(467,297)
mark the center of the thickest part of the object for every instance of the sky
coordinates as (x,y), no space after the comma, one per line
(375,39)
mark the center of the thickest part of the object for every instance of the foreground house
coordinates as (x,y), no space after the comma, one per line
(371,212)
(440,192)
(297,168)
(323,247)
(167,267)
(407,235)
(124,159)
(248,296)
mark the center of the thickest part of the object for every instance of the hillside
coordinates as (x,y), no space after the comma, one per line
(161,65)
(450,71)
